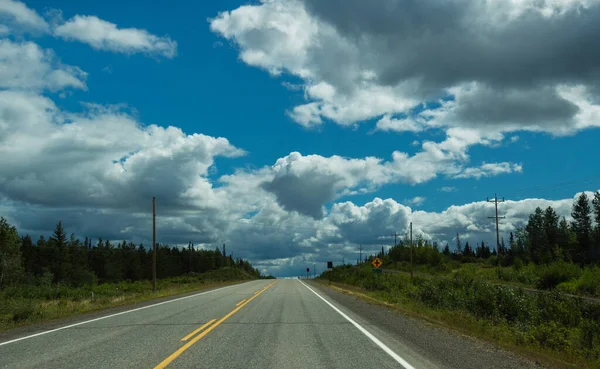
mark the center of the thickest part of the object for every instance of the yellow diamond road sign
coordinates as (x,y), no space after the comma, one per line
(377,263)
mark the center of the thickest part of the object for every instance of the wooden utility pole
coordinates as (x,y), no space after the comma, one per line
(411,252)
(360,248)
(154,244)
(496,201)
(395,234)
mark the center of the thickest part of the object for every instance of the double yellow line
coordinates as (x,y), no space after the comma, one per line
(210,326)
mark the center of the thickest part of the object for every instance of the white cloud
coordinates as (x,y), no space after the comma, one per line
(373,62)
(489,169)
(25,66)
(416,201)
(101,158)
(448,189)
(20,15)
(103,35)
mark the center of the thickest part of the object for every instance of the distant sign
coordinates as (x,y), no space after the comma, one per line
(376,263)
(307,270)
(330,265)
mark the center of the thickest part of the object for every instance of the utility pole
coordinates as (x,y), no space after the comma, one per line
(314,270)
(496,201)
(360,248)
(411,252)
(153,244)
(395,234)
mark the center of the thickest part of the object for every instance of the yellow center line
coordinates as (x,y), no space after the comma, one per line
(182,349)
(238,304)
(198,330)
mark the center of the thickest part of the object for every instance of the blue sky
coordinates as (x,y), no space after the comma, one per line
(211,87)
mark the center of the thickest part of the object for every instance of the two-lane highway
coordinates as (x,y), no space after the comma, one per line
(258,324)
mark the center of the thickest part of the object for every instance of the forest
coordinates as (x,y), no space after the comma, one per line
(69,261)
(545,239)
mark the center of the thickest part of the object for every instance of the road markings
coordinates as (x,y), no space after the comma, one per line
(238,304)
(198,330)
(182,349)
(113,315)
(382,345)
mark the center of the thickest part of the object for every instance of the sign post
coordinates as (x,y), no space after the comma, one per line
(330,265)
(307,270)
(376,265)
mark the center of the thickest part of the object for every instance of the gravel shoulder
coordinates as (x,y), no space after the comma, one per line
(442,346)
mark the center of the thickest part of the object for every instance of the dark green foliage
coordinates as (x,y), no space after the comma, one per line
(582,227)
(69,262)
(545,319)
(556,273)
(11,269)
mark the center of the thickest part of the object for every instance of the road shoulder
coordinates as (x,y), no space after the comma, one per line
(81,317)
(448,348)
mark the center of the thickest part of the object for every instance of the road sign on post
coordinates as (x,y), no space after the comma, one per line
(376,263)
(307,270)
(330,265)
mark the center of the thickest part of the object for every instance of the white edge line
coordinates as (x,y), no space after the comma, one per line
(113,315)
(382,345)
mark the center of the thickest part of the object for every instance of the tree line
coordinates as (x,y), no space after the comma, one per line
(70,261)
(545,238)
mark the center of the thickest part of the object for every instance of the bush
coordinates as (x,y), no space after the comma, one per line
(550,335)
(556,273)
(23,312)
(553,306)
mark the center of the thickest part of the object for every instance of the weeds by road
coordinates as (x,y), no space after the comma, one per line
(548,323)
(22,305)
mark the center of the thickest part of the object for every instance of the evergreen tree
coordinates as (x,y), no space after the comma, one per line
(536,236)
(467,250)
(582,227)
(446,250)
(11,269)
(596,209)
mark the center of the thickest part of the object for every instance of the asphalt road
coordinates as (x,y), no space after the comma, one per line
(258,324)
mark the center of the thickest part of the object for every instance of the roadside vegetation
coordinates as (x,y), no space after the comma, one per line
(537,300)
(63,276)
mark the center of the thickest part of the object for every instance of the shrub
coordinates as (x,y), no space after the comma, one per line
(23,312)
(556,273)
(553,306)
(589,281)
(550,335)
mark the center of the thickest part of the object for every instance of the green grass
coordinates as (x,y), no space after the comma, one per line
(22,305)
(548,324)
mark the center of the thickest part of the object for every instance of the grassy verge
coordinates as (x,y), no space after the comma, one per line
(556,330)
(562,276)
(23,305)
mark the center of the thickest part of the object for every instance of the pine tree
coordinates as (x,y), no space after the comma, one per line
(536,236)
(582,227)
(446,250)
(11,269)
(467,250)
(596,207)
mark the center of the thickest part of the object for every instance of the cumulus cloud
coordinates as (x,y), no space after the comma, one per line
(18,15)
(103,35)
(493,66)
(26,66)
(305,184)
(100,158)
